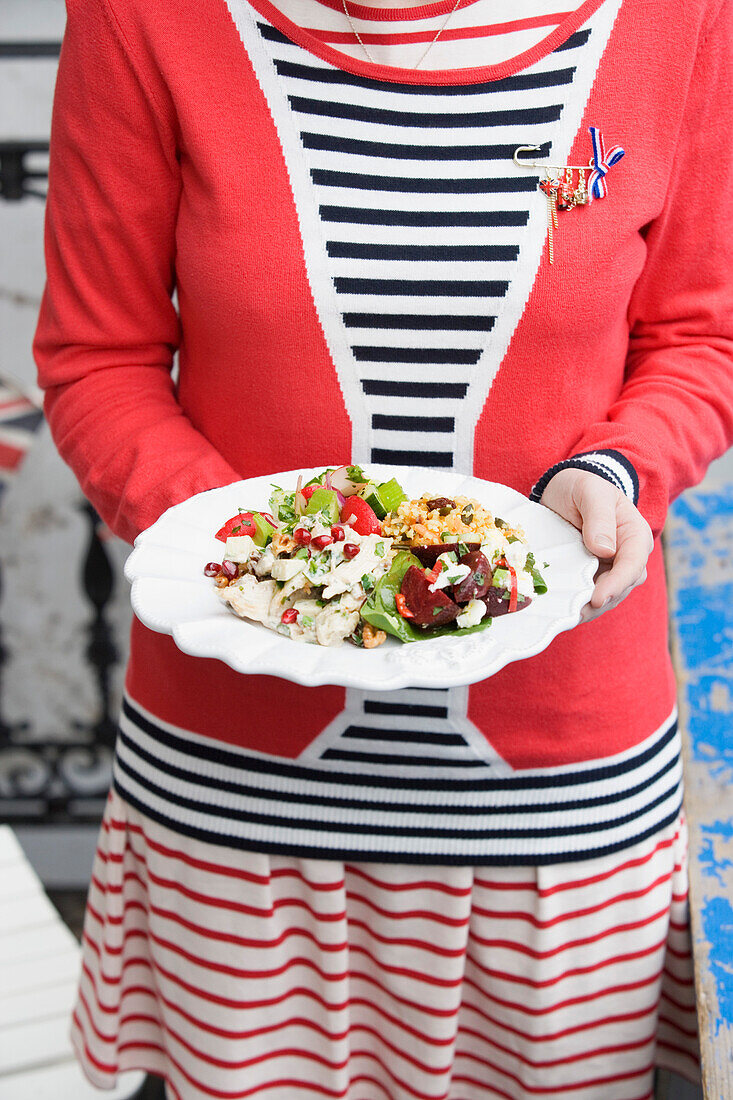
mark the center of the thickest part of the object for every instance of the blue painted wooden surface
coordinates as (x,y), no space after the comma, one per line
(699,550)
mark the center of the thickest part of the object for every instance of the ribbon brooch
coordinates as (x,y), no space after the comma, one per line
(569,185)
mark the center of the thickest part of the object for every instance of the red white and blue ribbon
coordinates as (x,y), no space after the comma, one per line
(602,161)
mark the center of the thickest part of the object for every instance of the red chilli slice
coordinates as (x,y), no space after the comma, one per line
(513,593)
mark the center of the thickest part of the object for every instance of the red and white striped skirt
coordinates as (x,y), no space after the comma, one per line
(235,974)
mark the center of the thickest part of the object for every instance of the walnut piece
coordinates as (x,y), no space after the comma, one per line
(372,637)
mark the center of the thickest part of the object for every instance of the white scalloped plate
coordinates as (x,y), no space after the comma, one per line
(171,595)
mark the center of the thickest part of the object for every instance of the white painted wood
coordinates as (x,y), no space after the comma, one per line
(39,968)
(28,1045)
(31,910)
(28,1005)
(65,1082)
(18,977)
(33,945)
(17,880)
(10,850)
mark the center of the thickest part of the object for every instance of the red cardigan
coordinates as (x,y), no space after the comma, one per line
(171,168)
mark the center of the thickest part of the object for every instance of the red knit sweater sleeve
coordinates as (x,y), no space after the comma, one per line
(674,414)
(108,330)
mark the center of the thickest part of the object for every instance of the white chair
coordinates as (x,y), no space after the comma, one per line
(39,969)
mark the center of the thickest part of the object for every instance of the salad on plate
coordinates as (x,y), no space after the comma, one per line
(344,558)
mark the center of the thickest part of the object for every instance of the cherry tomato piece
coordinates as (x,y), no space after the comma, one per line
(360,516)
(242,524)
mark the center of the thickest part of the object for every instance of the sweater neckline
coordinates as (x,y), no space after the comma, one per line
(394,74)
(427,10)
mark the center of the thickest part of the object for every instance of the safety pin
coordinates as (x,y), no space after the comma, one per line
(542,167)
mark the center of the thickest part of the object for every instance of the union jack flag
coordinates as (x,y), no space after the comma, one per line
(20,419)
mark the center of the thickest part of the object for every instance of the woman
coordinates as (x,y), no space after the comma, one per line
(454,893)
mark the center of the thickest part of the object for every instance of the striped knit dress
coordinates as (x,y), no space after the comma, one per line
(447,894)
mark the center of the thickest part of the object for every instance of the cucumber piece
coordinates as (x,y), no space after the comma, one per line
(501,579)
(390,494)
(371,495)
(324,500)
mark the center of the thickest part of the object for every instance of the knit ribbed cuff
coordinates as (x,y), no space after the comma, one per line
(611,465)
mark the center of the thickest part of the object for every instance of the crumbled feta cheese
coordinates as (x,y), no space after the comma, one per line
(238,548)
(516,554)
(451,573)
(472,616)
(494,544)
(284,569)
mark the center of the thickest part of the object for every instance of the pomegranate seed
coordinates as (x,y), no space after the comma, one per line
(302,535)
(289,616)
(229,569)
(350,550)
(321,541)
(211,569)
(338,534)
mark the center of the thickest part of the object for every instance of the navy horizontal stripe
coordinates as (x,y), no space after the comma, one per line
(244,786)
(519,83)
(433,288)
(376,854)
(272,34)
(408,737)
(413,710)
(419,322)
(355,112)
(381,759)
(376,387)
(442,459)
(351,250)
(399,151)
(357,215)
(578,39)
(279,766)
(457,356)
(382,422)
(411,185)
(423,829)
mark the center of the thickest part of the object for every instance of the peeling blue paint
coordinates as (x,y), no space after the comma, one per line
(701,546)
(700,552)
(717,923)
(712,860)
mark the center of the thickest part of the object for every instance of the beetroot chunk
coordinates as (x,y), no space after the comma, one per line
(499,606)
(428,555)
(476,584)
(428,608)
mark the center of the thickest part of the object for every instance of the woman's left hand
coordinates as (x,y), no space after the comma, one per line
(612,528)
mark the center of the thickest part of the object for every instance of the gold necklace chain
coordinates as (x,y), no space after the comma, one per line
(430,45)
